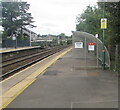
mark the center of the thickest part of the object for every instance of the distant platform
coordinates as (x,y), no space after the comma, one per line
(15,49)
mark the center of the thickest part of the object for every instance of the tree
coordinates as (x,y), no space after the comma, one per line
(15,16)
(89,20)
(113,13)
(38,35)
(9,14)
(62,36)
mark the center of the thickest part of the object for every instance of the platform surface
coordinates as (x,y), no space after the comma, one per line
(66,84)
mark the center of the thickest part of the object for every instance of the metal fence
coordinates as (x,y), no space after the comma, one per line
(13,43)
(115,58)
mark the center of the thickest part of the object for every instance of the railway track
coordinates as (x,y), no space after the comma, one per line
(11,66)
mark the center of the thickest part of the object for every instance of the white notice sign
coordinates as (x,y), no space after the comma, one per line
(78,44)
(13,38)
(91,46)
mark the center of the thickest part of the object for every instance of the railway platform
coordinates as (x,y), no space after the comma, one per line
(16,49)
(62,81)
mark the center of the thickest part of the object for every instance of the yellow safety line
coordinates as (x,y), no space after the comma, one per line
(33,76)
(18,93)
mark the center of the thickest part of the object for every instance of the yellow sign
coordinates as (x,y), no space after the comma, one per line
(104,23)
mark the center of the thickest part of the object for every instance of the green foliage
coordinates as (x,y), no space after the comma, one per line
(89,20)
(38,35)
(62,36)
(113,13)
(114,22)
(69,41)
(15,16)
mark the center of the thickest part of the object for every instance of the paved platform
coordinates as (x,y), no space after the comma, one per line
(14,85)
(66,84)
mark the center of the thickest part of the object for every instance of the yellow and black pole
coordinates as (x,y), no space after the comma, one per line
(103,27)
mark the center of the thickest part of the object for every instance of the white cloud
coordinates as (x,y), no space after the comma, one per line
(56,16)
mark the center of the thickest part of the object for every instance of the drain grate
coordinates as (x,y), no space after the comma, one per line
(60,58)
(51,73)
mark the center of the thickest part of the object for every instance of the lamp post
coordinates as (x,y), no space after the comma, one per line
(31,26)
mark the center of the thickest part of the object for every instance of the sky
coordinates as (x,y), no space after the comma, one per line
(56,16)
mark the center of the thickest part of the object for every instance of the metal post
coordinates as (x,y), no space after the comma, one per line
(103,51)
(116,58)
(103,59)
(30,37)
(85,44)
(16,42)
(97,55)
